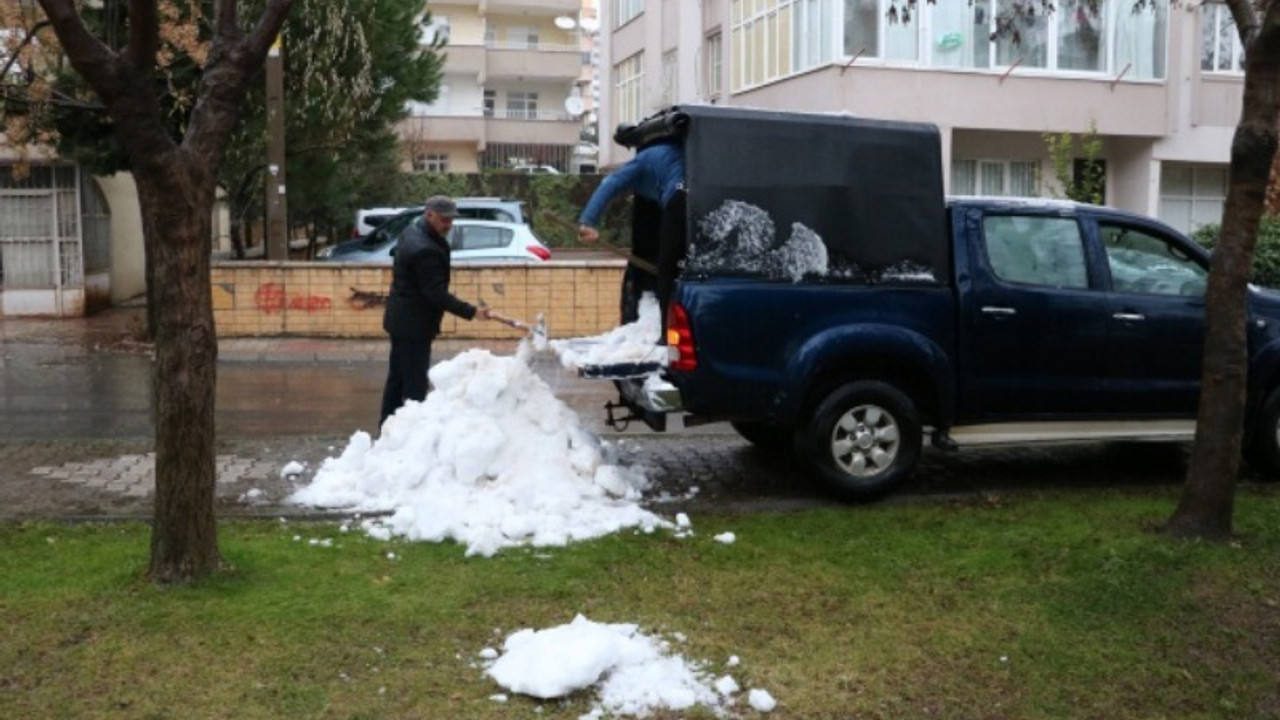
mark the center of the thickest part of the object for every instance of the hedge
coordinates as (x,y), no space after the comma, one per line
(1266,256)
(553,201)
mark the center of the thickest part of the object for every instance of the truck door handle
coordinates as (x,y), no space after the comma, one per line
(1129,316)
(993,310)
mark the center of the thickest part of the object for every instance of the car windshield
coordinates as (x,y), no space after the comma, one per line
(389,230)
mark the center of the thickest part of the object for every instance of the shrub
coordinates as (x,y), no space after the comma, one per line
(553,201)
(1266,256)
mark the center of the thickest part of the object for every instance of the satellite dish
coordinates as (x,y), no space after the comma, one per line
(589,24)
(573,105)
(564,22)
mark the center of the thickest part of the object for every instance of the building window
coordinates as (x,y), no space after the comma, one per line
(1220,48)
(1113,37)
(490,102)
(520,37)
(1019,178)
(762,35)
(522,105)
(432,162)
(670,78)
(628,82)
(625,10)
(714,65)
(1192,196)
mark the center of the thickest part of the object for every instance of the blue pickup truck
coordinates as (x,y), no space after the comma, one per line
(833,303)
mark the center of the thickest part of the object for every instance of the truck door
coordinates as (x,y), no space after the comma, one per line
(1156,319)
(1033,320)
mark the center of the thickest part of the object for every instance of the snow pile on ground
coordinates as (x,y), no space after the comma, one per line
(491,459)
(635,342)
(634,674)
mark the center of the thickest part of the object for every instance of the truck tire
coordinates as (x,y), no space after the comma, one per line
(1262,447)
(769,438)
(863,440)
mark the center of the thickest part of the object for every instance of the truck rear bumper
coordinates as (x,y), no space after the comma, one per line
(648,399)
(651,393)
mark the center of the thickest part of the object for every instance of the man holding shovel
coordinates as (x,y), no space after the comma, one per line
(656,176)
(417,303)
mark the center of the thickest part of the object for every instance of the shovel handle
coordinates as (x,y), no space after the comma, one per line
(508,321)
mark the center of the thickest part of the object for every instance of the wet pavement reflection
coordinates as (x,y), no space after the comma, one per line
(75,392)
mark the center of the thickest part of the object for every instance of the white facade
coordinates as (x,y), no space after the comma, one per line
(504,101)
(1161,85)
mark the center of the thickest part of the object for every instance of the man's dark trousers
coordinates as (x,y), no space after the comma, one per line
(406,374)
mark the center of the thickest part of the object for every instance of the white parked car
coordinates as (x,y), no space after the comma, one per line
(493,241)
(471,241)
(479,208)
(370,218)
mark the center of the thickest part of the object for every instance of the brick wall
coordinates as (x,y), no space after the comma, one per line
(254,299)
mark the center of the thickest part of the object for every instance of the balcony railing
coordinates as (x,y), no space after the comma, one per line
(536,47)
(541,115)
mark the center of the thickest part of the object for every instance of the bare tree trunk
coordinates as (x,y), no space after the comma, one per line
(149,279)
(178,201)
(176,182)
(1208,498)
(237,237)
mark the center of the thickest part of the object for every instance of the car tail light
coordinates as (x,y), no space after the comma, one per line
(540,252)
(683,356)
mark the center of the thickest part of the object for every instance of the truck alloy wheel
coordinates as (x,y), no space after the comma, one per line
(863,440)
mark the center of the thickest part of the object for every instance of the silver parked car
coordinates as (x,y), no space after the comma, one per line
(470,240)
(475,208)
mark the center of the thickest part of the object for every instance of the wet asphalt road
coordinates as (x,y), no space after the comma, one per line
(68,395)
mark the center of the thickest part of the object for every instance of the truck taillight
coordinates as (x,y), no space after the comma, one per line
(683,357)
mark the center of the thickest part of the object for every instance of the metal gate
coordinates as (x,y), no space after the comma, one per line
(41,252)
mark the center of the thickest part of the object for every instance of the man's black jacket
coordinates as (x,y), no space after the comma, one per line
(420,285)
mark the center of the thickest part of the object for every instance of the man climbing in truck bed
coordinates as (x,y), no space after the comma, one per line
(656,177)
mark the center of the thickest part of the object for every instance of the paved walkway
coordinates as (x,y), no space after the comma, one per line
(76,431)
(75,427)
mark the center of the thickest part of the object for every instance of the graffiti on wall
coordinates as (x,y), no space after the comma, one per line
(363,299)
(271,298)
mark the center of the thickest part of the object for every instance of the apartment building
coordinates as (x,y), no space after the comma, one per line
(511,92)
(1161,85)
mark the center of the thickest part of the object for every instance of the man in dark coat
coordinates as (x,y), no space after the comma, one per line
(418,301)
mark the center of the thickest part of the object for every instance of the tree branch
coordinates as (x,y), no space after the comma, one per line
(268,27)
(1246,19)
(1268,30)
(224,18)
(144,34)
(15,94)
(232,60)
(89,55)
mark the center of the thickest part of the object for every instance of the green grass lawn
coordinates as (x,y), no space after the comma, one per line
(1046,606)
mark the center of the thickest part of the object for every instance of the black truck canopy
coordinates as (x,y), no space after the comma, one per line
(819,196)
